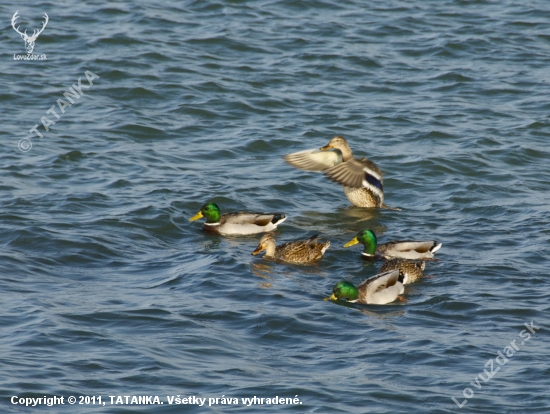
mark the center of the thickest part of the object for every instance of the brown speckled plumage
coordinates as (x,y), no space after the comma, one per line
(301,251)
(360,177)
(409,270)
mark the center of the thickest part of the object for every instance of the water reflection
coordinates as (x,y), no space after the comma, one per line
(377,313)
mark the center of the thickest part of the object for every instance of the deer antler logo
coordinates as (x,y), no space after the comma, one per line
(29,40)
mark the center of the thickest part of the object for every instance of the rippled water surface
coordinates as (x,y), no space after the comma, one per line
(108,290)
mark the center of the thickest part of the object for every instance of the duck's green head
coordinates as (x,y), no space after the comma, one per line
(210,211)
(367,238)
(344,290)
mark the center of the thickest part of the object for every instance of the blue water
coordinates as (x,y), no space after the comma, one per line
(108,290)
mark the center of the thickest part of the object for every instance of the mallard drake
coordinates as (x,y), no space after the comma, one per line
(360,177)
(404,249)
(377,290)
(301,251)
(237,223)
(409,270)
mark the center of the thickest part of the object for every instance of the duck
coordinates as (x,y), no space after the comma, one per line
(238,223)
(377,290)
(409,270)
(403,249)
(299,252)
(361,178)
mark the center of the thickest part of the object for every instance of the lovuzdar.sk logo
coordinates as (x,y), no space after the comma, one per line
(29,40)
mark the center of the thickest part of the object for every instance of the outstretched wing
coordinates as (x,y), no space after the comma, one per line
(356,173)
(314,160)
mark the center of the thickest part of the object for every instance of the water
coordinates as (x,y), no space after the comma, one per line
(108,290)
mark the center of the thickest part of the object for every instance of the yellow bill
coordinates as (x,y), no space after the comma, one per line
(196,216)
(351,242)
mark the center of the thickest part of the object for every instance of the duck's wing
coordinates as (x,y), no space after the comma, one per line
(316,248)
(381,288)
(240,223)
(314,160)
(409,270)
(302,251)
(410,249)
(356,173)
(257,219)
